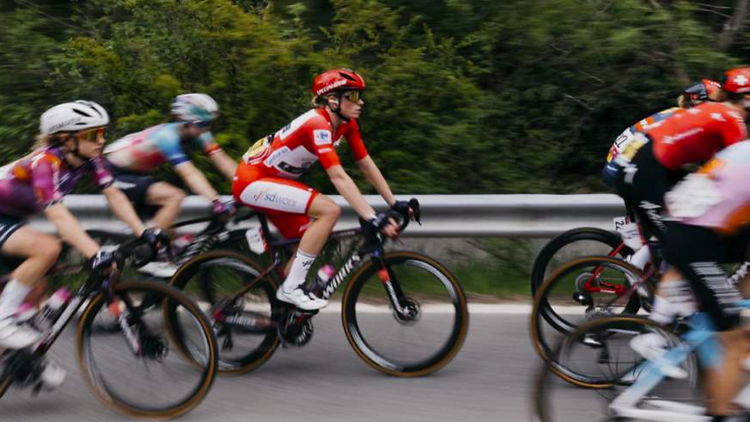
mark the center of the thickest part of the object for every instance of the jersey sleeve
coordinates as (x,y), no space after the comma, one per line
(321,140)
(732,129)
(167,140)
(45,174)
(208,143)
(101,174)
(354,139)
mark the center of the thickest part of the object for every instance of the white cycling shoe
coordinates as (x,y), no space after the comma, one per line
(301,299)
(52,376)
(15,334)
(653,347)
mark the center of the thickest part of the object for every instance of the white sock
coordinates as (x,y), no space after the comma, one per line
(297,275)
(640,258)
(661,311)
(12,297)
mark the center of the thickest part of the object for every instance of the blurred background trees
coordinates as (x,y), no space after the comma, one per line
(463,96)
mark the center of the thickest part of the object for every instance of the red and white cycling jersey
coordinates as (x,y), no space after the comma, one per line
(263,178)
(301,143)
(695,135)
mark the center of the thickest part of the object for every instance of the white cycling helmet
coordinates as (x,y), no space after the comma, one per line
(195,108)
(74,116)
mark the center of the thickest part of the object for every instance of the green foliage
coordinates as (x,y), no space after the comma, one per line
(463,96)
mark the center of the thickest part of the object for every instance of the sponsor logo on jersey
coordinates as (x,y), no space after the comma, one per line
(322,137)
(276,156)
(680,136)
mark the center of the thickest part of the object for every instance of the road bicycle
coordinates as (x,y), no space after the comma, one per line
(404,313)
(135,370)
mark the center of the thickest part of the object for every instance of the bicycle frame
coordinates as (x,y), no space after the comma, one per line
(274,247)
(91,287)
(701,339)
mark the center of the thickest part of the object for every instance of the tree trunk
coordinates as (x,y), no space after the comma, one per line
(734,25)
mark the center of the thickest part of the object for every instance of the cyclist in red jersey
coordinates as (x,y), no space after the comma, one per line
(654,161)
(265,178)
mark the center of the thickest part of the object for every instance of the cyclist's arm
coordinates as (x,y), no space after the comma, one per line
(346,187)
(70,230)
(224,163)
(123,209)
(196,181)
(375,178)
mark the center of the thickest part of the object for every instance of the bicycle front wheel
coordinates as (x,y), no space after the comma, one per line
(424,334)
(135,370)
(598,356)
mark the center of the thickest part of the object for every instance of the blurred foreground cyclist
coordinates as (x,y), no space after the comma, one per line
(71,142)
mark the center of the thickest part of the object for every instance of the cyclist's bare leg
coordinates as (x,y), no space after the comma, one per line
(723,382)
(325,213)
(40,251)
(169,200)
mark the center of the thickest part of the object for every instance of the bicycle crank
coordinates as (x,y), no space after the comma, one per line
(297,328)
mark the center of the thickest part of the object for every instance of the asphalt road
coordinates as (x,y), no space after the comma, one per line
(489,380)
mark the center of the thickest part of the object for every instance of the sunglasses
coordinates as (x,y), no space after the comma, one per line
(204,124)
(92,135)
(353,96)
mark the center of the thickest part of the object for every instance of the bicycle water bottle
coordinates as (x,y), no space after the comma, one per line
(321,280)
(54,307)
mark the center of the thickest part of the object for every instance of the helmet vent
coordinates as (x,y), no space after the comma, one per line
(77,111)
(347,77)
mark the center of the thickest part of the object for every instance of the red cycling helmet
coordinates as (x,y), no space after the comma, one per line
(737,81)
(337,80)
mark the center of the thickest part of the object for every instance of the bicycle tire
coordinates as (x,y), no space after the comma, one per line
(543,311)
(375,358)
(267,287)
(547,253)
(5,385)
(102,389)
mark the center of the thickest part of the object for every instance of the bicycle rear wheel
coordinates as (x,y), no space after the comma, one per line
(246,329)
(573,244)
(597,356)
(136,370)
(419,341)
(581,290)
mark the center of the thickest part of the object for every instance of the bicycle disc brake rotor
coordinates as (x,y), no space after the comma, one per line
(411,314)
(156,348)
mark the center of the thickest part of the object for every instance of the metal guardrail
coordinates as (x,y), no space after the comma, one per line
(442,215)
